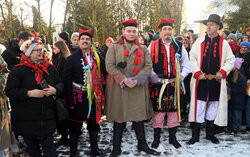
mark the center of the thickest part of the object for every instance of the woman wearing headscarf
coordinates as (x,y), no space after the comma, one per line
(30,87)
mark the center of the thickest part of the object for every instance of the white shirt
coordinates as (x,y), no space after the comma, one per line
(87,54)
(185,65)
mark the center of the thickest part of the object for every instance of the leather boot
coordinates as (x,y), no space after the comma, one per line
(210,131)
(117,138)
(156,142)
(95,151)
(196,127)
(172,137)
(142,144)
(73,144)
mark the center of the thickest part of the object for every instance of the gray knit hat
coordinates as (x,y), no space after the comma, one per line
(231,36)
(29,45)
(75,34)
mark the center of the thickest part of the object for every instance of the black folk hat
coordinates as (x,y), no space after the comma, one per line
(213,18)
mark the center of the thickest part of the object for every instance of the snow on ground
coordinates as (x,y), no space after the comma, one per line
(230,145)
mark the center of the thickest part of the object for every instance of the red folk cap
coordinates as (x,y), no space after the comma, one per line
(86,32)
(166,22)
(130,22)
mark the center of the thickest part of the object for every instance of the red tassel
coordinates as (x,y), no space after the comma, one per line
(165,72)
(126,52)
(137,60)
(152,95)
(156,92)
(136,70)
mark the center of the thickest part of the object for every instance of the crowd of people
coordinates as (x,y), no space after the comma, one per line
(166,79)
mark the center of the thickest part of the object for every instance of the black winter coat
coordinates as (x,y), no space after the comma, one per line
(246,64)
(12,54)
(59,62)
(32,116)
(73,48)
(74,72)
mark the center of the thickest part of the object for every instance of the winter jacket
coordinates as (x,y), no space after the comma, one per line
(103,53)
(246,64)
(59,62)
(237,101)
(73,48)
(235,48)
(32,116)
(12,54)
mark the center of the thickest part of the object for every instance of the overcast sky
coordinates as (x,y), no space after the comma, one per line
(193,9)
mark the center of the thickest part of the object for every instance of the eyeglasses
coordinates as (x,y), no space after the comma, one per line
(38,50)
(243,47)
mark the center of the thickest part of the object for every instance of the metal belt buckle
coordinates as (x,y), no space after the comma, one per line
(166,81)
(159,80)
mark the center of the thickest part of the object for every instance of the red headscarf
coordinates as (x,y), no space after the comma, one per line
(39,68)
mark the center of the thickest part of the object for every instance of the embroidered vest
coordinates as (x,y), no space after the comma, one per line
(160,62)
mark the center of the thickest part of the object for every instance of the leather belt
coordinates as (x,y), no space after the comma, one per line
(164,82)
(210,76)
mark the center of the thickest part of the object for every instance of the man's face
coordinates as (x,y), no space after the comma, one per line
(130,33)
(212,28)
(243,49)
(75,41)
(85,42)
(166,32)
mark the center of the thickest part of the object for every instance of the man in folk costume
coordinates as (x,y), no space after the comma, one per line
(170,66)
(127,99)
(83,92)
(211,59)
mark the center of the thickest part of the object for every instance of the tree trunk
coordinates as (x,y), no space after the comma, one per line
(50,22)
(65,14)
(39,16)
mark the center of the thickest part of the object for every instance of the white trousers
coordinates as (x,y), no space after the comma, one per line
(206,110)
